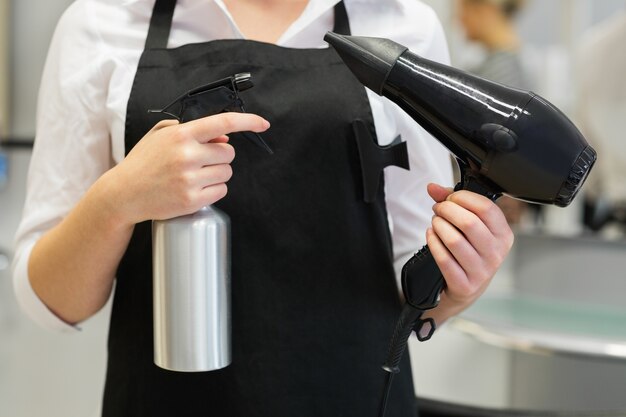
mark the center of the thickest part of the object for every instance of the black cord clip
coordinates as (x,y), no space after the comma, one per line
(420,326)
(375,158)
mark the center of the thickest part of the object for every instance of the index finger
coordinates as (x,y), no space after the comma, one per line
(210,127)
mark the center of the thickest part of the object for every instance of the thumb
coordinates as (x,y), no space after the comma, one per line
(437,192)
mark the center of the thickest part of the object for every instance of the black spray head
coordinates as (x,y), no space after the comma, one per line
(511,141)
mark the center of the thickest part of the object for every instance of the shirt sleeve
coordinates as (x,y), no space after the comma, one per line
(408,203)
(72,146)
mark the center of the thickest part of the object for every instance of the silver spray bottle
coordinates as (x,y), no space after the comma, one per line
(191,257)
(191,287)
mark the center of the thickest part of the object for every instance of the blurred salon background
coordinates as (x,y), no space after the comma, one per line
(549,336)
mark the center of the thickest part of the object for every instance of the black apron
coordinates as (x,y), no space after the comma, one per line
(313,287)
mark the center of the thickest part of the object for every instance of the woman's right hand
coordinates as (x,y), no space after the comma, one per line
(176,169)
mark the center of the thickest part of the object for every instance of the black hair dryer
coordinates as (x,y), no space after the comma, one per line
(505,140)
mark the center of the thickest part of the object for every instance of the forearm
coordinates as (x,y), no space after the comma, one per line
(72,267)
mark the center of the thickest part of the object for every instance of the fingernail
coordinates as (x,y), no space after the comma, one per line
(266,124)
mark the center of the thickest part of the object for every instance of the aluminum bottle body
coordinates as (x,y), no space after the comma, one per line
(191,290)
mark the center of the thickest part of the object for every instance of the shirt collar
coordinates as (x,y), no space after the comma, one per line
(313,10)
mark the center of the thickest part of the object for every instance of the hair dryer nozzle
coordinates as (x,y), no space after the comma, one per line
(369,59)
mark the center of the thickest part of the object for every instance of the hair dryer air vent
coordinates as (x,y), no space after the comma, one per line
(576,178)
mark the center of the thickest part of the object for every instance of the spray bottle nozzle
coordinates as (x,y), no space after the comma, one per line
(216,97)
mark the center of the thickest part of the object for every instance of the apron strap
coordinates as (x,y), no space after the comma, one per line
(342,23)
(161,23)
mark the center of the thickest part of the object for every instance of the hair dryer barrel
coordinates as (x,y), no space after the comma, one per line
(512,140)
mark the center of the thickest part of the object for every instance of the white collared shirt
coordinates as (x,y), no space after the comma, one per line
(87,80)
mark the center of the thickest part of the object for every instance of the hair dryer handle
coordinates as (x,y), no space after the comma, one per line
(422,281)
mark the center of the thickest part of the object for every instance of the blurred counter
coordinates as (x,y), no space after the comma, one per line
(548,326)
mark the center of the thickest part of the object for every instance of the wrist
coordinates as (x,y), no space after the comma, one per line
(445,310)
(107,196)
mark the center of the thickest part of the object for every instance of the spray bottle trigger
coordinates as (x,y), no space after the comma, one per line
(216,97)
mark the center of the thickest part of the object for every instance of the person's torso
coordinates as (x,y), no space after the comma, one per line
(313,286)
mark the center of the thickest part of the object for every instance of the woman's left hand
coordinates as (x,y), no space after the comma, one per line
(469,239)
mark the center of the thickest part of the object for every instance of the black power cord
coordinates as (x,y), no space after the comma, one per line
(409,321)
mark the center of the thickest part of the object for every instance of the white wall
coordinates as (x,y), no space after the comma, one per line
(4,64)
(32,24)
